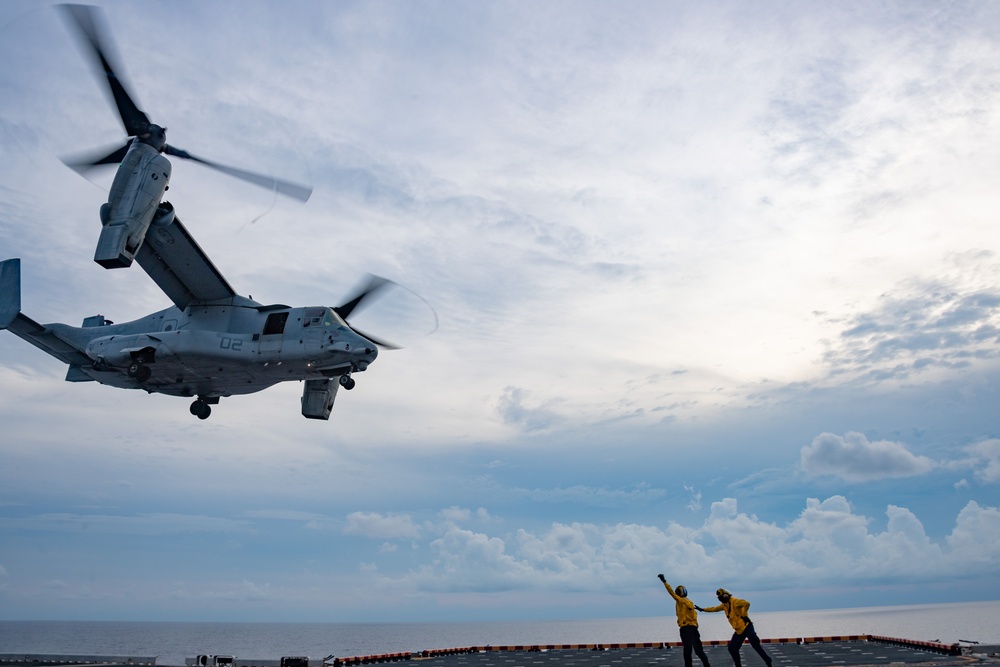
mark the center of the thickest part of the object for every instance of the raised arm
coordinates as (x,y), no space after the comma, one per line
(667,586)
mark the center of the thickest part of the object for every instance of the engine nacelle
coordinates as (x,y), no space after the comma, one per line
(318,397)
(136,192)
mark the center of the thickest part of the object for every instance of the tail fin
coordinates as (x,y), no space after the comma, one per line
(10,291)
(41,336)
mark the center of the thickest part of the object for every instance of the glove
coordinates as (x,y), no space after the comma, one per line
(698,608)
(662,578)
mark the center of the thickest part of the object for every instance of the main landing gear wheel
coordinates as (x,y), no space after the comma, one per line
(138,371)
(201,409)
(347,382)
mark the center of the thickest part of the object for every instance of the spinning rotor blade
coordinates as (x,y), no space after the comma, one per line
(372,286)
(375,286)
(300,192)
(86,20)
(381,342)
(84,163)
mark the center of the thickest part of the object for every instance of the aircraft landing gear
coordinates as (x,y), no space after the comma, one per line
(201,409)
(138,371)
(347,382)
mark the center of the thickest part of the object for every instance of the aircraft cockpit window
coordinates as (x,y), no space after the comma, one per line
(330,320)
(313,317)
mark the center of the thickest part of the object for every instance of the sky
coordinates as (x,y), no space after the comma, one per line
(717,291)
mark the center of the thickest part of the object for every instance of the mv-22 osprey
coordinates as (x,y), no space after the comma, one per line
(213,342)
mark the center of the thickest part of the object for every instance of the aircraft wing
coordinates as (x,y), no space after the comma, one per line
(179,266)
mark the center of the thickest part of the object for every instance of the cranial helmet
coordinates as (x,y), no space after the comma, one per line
(681,591)
(723,594)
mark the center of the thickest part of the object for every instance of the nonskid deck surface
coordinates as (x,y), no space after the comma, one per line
(849,651)
(859,651)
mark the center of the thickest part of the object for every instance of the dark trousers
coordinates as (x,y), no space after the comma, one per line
(691,639)
(737,641)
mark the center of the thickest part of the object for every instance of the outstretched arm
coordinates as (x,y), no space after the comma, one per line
(667,586)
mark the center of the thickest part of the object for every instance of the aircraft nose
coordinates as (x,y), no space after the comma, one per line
(362,347)
(365,353)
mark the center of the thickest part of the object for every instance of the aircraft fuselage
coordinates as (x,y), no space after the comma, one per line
(215,350)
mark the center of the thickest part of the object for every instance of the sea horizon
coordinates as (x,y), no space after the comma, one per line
(173,641)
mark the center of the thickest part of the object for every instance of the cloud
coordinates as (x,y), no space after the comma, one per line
(381,526)
(284,515)
(695,504)
(456,514)
(974,536)
(512,410)
(138,524)
(826,544)
(853,458)
(669,240)
(925,324)
(985,457)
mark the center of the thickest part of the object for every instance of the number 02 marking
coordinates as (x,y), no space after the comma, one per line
(234,344)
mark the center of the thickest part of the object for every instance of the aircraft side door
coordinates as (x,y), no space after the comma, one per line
(273,335)
(313,331)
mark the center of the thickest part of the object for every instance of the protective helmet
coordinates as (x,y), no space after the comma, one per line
(723,594)
(681,591)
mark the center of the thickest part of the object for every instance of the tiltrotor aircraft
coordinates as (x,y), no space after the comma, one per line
(212,342)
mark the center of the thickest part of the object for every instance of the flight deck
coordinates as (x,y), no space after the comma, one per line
(845,651)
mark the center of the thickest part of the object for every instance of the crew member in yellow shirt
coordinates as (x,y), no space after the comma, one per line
(687,621)
(736,611)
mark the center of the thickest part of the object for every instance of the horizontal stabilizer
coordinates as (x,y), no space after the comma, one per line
(10,291)
(76,374)
(23,326)
(48,341)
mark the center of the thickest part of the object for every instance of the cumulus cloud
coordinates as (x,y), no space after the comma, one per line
(827,543)
(853,458)
(985,458)
(975,534)
(456,514)
(463,514)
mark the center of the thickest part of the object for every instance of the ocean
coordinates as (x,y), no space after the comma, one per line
(172,642)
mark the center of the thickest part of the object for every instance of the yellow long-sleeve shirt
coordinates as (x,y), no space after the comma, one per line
(736,611)
(686,614)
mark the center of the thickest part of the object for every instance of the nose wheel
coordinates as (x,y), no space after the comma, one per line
(201,409)
(347,382)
